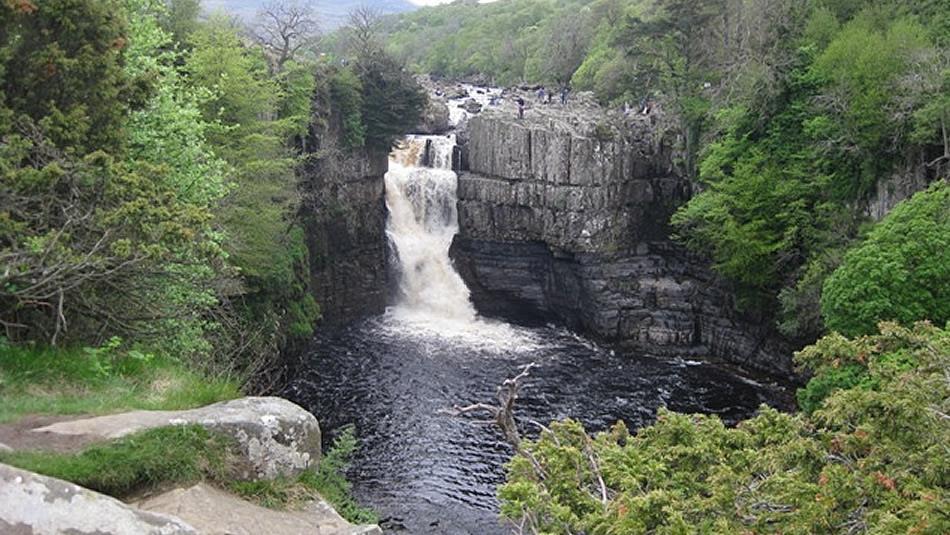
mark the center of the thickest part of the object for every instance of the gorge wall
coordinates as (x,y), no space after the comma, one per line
(570,222)
(344,213)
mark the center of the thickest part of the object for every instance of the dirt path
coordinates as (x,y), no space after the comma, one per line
(20,435)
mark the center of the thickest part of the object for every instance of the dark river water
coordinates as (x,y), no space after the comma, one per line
(426,471)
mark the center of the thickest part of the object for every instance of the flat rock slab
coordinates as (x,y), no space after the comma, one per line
(18,435)
(215,512)
(31,504)
(274,436)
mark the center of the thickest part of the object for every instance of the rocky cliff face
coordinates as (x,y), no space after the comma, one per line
(572,224)
(913,176)
(343,208)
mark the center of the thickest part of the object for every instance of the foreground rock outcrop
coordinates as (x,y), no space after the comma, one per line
(566,214)
(273,436)
(215,512)
(31,504)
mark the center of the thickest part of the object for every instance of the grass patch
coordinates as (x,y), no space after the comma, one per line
(143,461)
(328,480)
(36,380)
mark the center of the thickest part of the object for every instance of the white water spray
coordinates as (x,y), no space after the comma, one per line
(423,220)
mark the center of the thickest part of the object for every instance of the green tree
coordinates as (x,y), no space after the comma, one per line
(258,117)
(63,69)
(347,92)
(674,59)
(180,18)
(91,230)
(392,100)
(170,134)
(859,73)
(901,272)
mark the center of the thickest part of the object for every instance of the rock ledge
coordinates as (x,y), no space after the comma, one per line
(274,436)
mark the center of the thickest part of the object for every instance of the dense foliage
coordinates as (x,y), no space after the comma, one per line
(794,119)
(149,186)
(99,233)
(870,458)
(505,42)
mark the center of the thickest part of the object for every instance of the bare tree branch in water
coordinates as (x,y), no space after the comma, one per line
(504,412)
(504,417)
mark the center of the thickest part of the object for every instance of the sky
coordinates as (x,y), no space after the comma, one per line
(437,2)
(333,11)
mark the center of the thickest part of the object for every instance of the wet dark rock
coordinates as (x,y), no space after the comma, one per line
(456,92)
(343,211)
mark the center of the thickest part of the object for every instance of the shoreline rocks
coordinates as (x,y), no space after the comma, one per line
(435,118)
(274,437)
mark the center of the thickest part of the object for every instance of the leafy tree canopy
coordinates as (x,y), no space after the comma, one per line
(901,272)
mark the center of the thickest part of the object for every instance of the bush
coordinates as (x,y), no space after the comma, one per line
(872,456)
(347,92)
(900,273)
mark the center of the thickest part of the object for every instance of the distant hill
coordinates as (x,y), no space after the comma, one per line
(333,12)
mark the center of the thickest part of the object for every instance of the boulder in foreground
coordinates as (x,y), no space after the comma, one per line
(274,437)
(31,504)
(215,512)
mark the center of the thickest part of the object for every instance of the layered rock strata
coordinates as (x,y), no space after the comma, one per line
(570,220)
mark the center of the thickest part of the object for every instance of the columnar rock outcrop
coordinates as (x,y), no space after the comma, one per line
(571,220)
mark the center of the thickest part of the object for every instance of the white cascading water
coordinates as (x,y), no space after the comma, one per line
(422,222)
(423,219)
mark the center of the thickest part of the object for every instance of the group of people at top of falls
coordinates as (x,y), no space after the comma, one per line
(544,96)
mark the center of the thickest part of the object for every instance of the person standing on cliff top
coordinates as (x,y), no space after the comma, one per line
(520,108)
(565,90)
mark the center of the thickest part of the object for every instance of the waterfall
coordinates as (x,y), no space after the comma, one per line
(422,221)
